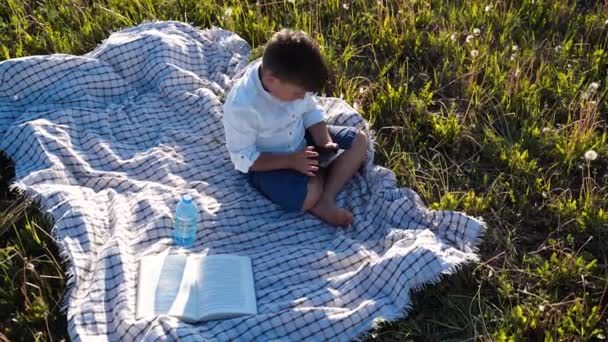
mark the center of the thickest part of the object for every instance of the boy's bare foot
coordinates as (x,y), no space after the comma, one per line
(328,211)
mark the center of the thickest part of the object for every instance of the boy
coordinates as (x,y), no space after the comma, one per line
(273,124)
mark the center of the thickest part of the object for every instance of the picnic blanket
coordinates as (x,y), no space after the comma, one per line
(109,140)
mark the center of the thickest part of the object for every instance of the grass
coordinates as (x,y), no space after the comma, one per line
(486,107)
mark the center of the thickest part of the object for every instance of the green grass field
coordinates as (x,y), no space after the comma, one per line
(496,108)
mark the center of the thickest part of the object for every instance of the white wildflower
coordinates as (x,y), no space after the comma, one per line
(569,66)
(469,38)
(590,155)
(345,6)
(474,53)
(546,129)
(379,3)
(514,48)
(488,8)
(513,56)
(453,37)
(291,1)
(593,86)
(228,11)
(476,32)
(558,49)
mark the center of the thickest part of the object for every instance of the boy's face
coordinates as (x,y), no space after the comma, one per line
(284,91)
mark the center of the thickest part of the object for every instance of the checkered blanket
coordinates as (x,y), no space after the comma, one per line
(108,141)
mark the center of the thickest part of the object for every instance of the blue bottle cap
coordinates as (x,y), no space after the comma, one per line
(187,198)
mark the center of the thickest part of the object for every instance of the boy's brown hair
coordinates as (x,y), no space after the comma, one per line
(294,57)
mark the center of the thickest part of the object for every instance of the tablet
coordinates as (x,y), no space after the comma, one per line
(327,156)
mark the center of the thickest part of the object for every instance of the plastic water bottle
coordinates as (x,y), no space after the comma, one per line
(186,220)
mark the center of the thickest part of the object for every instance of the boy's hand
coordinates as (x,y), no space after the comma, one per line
(330,146)
(305,162)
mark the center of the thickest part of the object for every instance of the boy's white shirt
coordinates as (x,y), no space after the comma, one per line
(256,122)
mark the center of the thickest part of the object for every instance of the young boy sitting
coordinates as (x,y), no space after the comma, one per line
(273,127)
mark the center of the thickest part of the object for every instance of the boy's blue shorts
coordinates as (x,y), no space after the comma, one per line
(288,188)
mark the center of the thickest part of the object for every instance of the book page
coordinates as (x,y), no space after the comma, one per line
(225,287)
(165,286)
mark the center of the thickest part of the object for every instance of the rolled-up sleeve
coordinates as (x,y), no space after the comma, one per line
(240,127)
(315,115)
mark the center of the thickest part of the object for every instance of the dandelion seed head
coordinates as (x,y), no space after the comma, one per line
(345,6)
(228,11)
(469,38)
(453,37)
(488,8)
(514,48)
(476,32)
(590,155)
(593,86)
(558,49)
(474,53)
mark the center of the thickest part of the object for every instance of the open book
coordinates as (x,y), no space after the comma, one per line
(195,287)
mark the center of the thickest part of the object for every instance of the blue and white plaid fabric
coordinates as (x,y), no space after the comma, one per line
(109,140)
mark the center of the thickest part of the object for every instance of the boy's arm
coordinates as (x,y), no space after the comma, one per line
(269,162)
(314,123)
(240,128)
(320,135)
(304,161)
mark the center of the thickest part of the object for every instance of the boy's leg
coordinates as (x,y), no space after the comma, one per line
(340,172)
(345,167)
(287,188)
(332,215)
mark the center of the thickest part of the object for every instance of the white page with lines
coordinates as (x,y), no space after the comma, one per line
(195,288)
(225,286)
